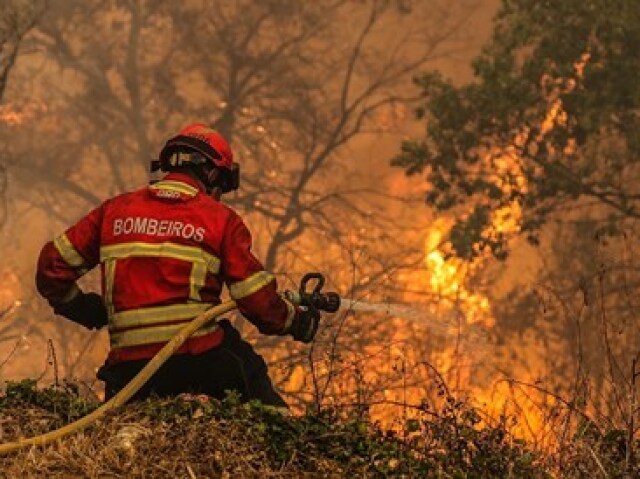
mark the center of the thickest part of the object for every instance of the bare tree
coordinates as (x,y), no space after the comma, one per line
(290,73)
(18,17)
(284,80)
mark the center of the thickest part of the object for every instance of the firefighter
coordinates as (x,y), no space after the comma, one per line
(165,252)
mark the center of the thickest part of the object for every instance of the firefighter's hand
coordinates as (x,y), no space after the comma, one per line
(86,309)
(305,325)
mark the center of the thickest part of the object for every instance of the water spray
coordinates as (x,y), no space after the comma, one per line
(444,324)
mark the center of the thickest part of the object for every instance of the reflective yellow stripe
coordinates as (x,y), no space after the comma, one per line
(68,251)
(165,250)
(176,186)
(200,260)
(109,276)
(156,314)
(71,294)
(197,279)
(154,334)
(250,285)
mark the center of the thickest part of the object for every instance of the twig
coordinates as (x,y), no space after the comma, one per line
(595,457)
(11,353)
(53,362)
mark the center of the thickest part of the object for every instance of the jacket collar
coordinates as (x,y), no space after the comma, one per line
(186,179)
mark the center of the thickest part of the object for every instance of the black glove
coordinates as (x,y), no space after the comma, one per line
(86,309)
(305,325)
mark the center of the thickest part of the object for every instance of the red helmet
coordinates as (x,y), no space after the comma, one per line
(204,140)
(210,144)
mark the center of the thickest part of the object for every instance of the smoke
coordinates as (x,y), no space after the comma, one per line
(3,198)
(10,309)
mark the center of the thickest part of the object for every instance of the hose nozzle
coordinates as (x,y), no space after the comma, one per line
(329,302)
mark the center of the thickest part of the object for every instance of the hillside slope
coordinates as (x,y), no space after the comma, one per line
(194,437)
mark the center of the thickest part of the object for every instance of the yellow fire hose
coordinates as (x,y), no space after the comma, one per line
(130,389)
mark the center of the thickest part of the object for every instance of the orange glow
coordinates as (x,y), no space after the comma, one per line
(389,373)
(446,274)
(15,115)
(10,291)
(446,277)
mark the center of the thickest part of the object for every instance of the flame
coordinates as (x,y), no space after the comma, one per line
(446,274)
(296,380)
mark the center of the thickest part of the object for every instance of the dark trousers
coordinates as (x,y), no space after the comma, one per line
(232,366)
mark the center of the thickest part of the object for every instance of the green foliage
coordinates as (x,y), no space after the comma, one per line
(467,236)
(456,447)
(583,53)
(449,441)
(64,402)
(610,450)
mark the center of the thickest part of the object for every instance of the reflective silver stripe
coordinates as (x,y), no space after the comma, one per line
(68,252)
(155,334)
(250,285)
(177,186)
(156,315)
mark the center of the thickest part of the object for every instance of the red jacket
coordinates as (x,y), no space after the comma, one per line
(165,251)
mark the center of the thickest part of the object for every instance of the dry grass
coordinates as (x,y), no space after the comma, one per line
(129,443)
(195,438)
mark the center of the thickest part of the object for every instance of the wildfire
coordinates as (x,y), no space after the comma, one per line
(446,274)
(447,277)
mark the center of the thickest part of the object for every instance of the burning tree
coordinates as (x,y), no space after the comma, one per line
(18,18)
(555,88)
(544,143)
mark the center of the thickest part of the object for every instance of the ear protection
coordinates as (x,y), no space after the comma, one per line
(228,180)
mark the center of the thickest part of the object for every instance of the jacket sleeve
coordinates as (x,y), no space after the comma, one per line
(68,257)
(253,288)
